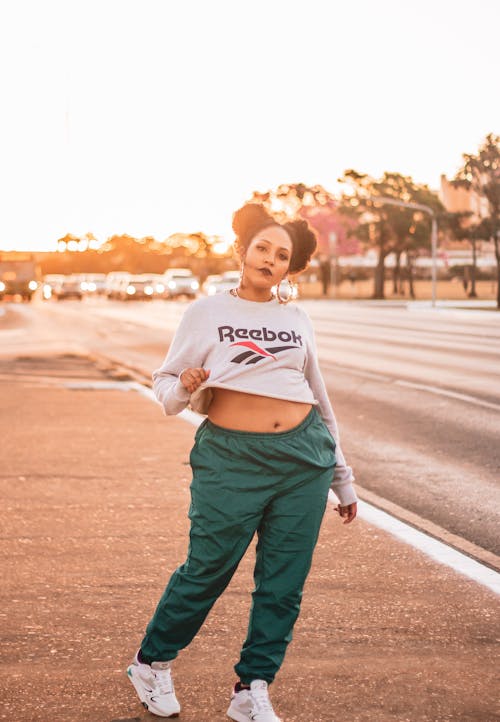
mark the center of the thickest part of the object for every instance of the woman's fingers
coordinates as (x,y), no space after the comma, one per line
(352,510)
(349,512)
(192,378)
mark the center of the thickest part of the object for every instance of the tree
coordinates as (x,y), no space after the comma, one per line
(66,240)
(388,228)
(481,174)
(289,199)
(463,227)
(137,255)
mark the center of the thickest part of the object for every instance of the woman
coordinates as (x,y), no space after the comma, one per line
(263,461)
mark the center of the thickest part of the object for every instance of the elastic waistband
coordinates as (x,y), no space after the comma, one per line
(311,416)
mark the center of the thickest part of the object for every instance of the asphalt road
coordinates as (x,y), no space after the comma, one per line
(416,392)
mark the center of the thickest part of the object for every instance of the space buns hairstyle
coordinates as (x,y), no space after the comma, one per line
(253,217)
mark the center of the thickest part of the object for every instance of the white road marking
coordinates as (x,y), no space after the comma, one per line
(143,390)
(413,385)
(451,394)
(477,309)
(434,548)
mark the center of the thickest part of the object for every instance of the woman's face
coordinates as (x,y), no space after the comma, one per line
(267,257)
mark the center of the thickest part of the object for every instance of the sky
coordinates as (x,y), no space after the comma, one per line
(151,117)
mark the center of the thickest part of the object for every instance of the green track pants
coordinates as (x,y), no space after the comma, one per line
(275,484)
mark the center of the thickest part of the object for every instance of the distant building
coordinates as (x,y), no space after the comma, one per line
(332,230)
(460,200)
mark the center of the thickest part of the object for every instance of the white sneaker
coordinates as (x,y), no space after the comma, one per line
(153,683)
(252,705)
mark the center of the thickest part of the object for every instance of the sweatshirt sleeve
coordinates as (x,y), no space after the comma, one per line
(343,477)
(187,350)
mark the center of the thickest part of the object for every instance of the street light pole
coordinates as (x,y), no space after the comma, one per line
(434,258)
(425,209)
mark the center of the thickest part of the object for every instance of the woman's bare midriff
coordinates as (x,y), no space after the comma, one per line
(249,412)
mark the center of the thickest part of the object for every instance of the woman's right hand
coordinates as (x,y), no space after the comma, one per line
(192,378)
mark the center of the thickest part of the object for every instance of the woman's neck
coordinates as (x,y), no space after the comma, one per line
(251,293)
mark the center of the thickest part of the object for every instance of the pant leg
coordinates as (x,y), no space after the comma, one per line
(194,588)
(224,518)
(287,537)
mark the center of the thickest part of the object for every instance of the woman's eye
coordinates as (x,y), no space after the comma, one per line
(283,257)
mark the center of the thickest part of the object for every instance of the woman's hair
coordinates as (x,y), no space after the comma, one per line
(253,217)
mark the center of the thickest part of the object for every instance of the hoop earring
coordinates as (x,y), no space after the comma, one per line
(291,294)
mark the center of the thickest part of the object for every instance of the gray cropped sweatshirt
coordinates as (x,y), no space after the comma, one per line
(259,348)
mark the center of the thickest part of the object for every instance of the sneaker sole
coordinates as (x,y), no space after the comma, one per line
(240,716)
(140,694)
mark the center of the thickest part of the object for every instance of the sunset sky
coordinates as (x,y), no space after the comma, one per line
(149,117)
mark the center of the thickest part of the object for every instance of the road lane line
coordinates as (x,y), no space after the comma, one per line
(470,549)
(375,375)
(411,384)
(451,394)
(435,549)
(430,546)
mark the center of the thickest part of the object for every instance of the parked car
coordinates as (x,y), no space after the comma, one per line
(19,275)
(94,284)
(159,284)
(180,282)
(114,283)
(68,287)
(220,283)
(209,285)
(50,283)
(137,287)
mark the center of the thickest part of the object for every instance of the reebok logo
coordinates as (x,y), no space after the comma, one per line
(255,352)
(258,334)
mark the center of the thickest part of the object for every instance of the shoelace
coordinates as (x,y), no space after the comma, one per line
(261,699)
(164,681)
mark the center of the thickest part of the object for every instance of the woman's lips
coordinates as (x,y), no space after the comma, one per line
(265,271)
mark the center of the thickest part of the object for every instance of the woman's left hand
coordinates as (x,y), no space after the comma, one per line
(349,512)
